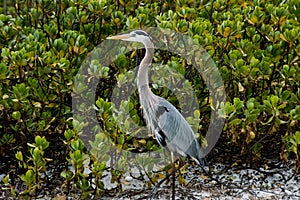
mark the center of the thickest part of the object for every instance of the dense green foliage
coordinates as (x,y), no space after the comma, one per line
(255,45)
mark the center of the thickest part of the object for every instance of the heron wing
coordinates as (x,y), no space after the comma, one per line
(177,133)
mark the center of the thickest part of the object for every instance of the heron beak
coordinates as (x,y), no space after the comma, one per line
(119,37)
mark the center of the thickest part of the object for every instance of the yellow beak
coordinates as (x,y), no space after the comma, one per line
(119,37)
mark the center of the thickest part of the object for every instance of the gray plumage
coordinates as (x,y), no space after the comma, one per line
(170,128)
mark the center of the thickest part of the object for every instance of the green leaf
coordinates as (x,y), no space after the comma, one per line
(20,91)
(69,134)
(67,174)
(77,144)
(197,114)
(19,156)
(5,179)
(41,142)
(254,61)
(281,106)
(28,178)
(236,121)
(16,115)
(238,104)
(38,140)
(274,100)
(122,62)
(77,156)
(285,95)
(4,70)
(267,103)
(121,139)
(250,105)
(229,108)
(36,155)
(297,137)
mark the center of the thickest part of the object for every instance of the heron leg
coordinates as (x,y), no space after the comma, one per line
(173,174)
(154,191)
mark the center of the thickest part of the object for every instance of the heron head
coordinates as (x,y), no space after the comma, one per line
(134,36)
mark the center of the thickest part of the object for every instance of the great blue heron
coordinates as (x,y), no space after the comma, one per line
(169,127)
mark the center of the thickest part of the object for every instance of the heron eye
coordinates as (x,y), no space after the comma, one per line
(133,35)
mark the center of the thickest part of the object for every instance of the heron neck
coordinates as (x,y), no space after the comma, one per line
(143,81)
